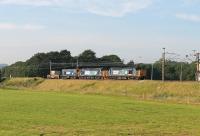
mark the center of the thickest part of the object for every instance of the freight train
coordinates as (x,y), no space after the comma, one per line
(114,73)
(97,71)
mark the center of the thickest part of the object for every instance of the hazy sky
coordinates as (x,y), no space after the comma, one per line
(133,29)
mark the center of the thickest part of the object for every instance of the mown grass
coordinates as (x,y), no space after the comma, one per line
(29,113)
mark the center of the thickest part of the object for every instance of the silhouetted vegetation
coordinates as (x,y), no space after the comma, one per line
(172,70)
(38,65)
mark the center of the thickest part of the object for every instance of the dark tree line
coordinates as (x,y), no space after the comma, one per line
(172,70)
(38,65)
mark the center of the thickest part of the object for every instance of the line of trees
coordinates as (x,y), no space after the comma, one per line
(173,70)
(38,65)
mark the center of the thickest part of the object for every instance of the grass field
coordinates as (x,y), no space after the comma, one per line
(173,92)
(38,107)
(27,113)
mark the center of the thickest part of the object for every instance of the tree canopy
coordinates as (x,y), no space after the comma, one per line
(111,58)
(38,65)
(172,70)
(87,56)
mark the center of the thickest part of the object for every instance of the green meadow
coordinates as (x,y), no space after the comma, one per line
(32,111)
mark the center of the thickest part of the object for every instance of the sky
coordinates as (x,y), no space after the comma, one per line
(133,29)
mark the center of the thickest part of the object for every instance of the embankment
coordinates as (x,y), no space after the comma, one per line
(178,92)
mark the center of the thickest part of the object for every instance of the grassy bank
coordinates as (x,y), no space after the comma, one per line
(178,92)
(21,83)
(60,114)
(175,92)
